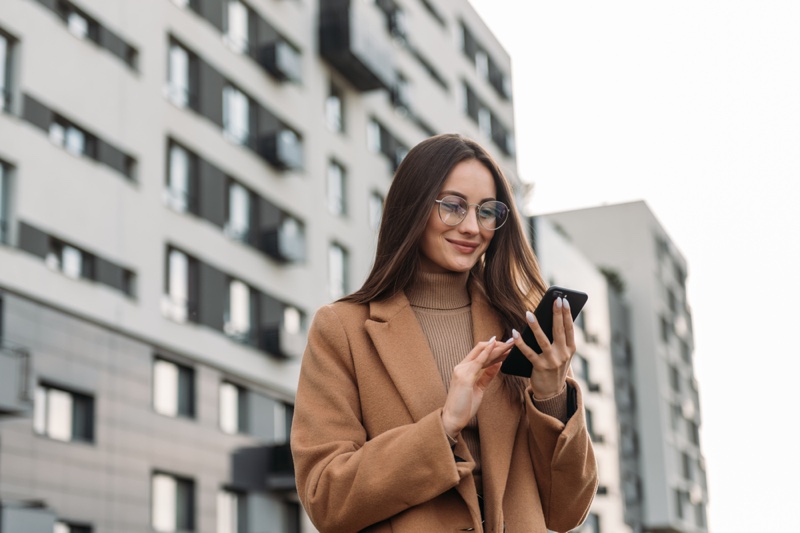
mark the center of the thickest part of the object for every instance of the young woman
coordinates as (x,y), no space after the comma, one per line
(402,421)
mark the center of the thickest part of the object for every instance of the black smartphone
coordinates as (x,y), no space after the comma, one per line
(516,363)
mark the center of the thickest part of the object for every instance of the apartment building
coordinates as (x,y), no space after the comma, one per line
(662,467)
(182,184)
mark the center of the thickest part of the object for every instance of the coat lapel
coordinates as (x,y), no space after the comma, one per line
(404,351)
(497,433)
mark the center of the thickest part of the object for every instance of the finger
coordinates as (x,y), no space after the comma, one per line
(558,322)
(483,356)
(499,353)
(569,326)
(488,374)
(538,332)
(476,351)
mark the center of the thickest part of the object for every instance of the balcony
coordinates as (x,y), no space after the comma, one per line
(283,148)
(15,372)
(282,60)
(282,342)
(284,241)
(26,516)
(264,469)
(354,40)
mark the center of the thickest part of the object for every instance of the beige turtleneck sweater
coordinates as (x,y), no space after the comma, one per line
(442,305)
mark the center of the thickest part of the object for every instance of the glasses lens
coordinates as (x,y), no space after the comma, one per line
(452,210)
(492,214)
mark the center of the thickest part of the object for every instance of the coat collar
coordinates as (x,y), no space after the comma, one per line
(406,355)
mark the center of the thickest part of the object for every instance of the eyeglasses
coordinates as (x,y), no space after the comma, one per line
(491,215)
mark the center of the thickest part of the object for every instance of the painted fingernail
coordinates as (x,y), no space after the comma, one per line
(510,340)
(530,317)
(558,303)
(515,334)
(491,341)
(566,303)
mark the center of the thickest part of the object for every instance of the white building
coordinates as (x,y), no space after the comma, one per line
(657,392)
(182,184)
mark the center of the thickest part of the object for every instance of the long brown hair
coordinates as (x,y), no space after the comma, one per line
(508,273)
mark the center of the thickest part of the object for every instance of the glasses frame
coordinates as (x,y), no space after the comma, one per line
(478,206)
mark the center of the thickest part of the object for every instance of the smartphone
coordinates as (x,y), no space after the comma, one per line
(516,363)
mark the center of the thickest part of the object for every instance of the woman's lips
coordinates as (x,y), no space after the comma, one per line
(465,247)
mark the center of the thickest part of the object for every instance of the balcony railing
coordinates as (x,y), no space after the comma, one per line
(15,368)
(354,40)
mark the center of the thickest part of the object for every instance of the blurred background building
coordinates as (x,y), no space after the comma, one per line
(182,184)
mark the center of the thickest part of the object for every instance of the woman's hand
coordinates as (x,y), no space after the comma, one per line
(551,366)
(471,378)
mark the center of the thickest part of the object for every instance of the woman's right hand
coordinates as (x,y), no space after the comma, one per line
(471,378)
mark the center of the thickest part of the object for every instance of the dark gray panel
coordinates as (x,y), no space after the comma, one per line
(112,157)
(49,4)
(112,43)
(109,274)
(36,113)
(213,296)
(33,240)
(210,92)
(212,11)
(211,193)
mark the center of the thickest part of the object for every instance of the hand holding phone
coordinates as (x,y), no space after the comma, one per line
(516,363)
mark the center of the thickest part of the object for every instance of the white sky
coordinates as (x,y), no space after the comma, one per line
(695,108)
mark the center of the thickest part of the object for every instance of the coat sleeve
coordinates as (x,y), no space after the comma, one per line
(564,463)
(345,481)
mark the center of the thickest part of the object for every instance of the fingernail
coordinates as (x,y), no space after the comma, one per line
(559,303)
(566,303)
(515,334)
(510,340)
(530,317)
(491,341)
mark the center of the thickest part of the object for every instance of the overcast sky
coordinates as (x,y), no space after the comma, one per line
(693,107)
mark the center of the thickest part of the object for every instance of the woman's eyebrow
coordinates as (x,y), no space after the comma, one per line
(462,195)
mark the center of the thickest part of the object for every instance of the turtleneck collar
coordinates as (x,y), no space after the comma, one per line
(439,291)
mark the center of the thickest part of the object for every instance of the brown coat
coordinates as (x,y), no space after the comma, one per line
(371,454)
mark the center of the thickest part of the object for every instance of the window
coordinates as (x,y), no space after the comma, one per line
(334,109)
(687,468)
(233,406)
(686,351)
(66,527)
(72,138)
(4,202)
(74,263)
(580,367)
(239,212)
(179,302)
(682,503)
(666,329)
(694,432)
(238,317)
(6,46)
(236,115)
(63,415)
(181,179)
(373,136)
(231,512)
(181,76)
(676,415)
(78,23)
(375,210)
(337,204)
(237,33)
(173,389)
(675,378)
(172,503)
(337,271)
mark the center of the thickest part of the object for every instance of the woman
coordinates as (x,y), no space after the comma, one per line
(402,420)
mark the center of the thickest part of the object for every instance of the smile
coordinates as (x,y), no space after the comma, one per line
(465,247)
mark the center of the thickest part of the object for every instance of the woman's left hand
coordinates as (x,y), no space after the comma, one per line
(551,366)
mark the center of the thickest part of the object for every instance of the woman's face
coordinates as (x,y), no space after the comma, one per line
(457,248)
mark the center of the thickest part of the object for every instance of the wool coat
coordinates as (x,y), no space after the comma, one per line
(370,450)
